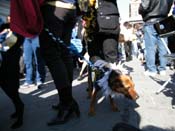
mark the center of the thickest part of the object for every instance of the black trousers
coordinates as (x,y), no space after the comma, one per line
(60,22)
(9,73)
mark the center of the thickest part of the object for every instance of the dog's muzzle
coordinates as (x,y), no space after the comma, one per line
(133,94)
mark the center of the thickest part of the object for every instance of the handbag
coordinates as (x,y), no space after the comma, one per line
(165,27)
(7,40)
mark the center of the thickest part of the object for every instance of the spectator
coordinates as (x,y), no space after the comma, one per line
(24,26)
(9,77)
(121,48)
(34,63)
(127,31)
(153,11)
(59,17)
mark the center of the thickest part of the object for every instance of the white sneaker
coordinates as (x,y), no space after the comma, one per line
(162,73)
(148,73)
(26,85)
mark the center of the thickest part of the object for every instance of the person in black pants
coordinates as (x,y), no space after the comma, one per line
(9,76)
(59,19)
(9,80)
(49,19)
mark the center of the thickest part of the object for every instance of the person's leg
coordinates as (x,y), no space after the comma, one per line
(84,66)
(28,58)
(134,48)
(150,41)
(62,79)
(58,59)
(128,50)
(21,64)
(110,49)
(93,47)
(162,52)
(38,62)
(122,52)
(9,81)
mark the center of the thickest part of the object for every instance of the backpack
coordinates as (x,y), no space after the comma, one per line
(108,17)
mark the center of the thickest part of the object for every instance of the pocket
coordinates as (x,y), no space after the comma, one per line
(108,24)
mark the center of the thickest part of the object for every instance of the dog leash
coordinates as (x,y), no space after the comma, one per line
(71,48)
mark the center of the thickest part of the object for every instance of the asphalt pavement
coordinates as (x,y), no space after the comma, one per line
(151,112)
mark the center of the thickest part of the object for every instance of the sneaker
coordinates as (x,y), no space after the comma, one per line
(26,85)
(162,73)
(148,73)
(39,85)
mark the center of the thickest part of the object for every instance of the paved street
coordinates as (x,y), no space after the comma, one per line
(155,112)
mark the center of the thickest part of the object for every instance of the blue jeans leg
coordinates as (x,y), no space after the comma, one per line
(152,40)
(150,43)
(28,53)
(162,52)
(38,61)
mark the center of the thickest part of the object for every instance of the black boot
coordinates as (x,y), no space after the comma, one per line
(67,91)
(67,107)
(64,114)
(56,106)
(18,115)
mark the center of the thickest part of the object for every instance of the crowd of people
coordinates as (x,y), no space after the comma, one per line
(45,30)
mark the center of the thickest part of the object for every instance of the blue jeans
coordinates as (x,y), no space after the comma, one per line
(134,48)
(153,41)
(121,52)
(35,67)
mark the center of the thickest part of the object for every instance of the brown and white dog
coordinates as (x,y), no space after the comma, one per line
(111,81)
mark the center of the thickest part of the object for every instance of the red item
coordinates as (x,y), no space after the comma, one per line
(26,18)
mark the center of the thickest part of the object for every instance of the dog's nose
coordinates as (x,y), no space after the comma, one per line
(137,97)
(133,94)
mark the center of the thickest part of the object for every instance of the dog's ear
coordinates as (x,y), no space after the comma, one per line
(115,73)
(114,79)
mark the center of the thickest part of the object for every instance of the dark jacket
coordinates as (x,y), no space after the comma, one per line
(154,10)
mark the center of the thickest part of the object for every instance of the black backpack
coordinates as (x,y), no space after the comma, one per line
(108,17)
